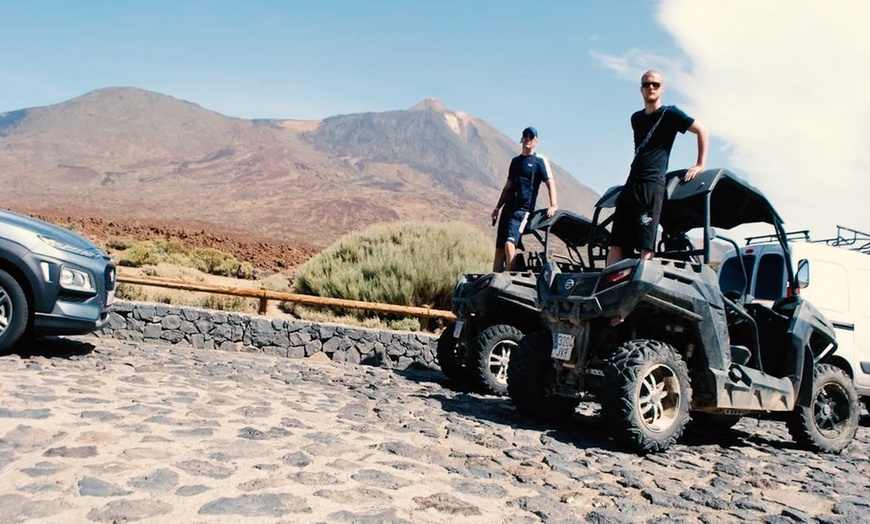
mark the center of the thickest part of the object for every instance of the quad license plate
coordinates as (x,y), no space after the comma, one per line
(563,344)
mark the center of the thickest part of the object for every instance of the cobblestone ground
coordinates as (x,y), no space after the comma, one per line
(109,431)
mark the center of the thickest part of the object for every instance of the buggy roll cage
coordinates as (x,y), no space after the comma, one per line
(714,198)
(572,229)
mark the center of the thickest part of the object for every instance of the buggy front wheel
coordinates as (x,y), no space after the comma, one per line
(831,420)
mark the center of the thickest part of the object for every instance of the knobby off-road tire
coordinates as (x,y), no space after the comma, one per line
(645,395)
(490,358)
(452,363)
(528,370)
(830,423)
(13,312)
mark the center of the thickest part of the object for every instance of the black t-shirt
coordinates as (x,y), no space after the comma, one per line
(651,162)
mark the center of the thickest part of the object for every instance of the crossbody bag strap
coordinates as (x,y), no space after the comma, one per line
(650,134)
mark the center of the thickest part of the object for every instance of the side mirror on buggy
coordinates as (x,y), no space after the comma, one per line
(803,274)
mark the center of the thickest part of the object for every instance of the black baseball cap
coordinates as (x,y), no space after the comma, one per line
(530,131)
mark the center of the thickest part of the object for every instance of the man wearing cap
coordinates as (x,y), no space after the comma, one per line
(519,195)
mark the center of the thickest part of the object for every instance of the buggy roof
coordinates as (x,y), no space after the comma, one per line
(569,227)
(732,201)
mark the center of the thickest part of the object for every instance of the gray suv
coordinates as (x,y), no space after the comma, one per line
(52,281)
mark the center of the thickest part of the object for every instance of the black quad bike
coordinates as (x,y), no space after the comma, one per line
(657,343)
(494,311)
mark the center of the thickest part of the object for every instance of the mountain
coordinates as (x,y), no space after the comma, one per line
(139,157)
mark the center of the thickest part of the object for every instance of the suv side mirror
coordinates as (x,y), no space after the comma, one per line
(803,273)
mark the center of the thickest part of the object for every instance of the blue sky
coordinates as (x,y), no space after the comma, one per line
(782,85)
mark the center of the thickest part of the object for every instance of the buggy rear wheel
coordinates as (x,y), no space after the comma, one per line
(831,420)
(450,357)
(645,395)
(527,377)
(489,361)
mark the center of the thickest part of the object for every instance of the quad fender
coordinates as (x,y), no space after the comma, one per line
(813,338)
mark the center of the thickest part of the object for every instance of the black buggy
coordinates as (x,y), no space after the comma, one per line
(657,342)
(494,311)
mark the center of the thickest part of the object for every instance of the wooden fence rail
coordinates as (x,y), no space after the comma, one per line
(265,295)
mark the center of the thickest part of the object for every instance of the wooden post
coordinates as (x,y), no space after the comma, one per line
(264,304)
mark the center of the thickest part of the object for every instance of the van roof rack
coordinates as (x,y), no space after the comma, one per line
(803,234)
(850,239)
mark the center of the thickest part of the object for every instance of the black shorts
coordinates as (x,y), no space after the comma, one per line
(636,219)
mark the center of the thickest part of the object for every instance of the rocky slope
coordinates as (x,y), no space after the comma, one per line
(128,156)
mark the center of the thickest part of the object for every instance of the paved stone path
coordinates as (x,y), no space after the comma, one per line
(108,431)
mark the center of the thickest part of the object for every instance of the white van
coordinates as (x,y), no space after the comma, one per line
(834,275)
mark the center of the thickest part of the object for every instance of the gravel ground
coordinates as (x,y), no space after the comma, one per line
(102,430)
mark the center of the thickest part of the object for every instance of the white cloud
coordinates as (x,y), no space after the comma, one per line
(786,84)
(634,62)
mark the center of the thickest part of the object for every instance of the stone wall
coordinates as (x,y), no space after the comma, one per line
(293,338)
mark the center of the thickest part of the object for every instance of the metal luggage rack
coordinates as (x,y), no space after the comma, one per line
(850,239)
(803,235)
(846,237)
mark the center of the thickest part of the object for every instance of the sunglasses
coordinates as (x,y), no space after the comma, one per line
(647,85)
(528,137)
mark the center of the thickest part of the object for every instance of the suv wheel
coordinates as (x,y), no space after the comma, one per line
(13,312)
(645,395)
(493,352)
(527,380)
(830,423)
(449,359)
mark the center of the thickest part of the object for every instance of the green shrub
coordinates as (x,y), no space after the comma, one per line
(410,263)
(275,282)
(209,260)
(173,272)
(206,260)
(138,255)
(229,303)
(130,292)
(150,252)
(119,244)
